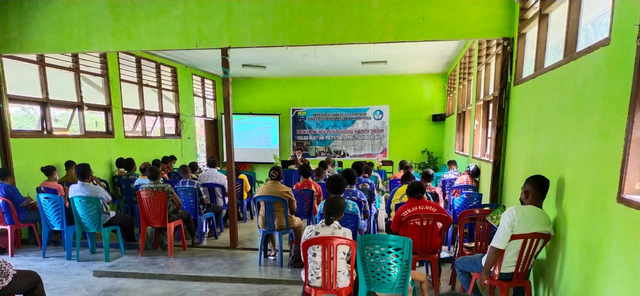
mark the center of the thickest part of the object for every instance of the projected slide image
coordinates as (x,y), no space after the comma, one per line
(256,137)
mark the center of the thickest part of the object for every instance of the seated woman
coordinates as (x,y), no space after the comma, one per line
(333,211)
(25,206)
(246,188)
(274,187)
(195,170)
(319,175)
(174,203)
(16,281)
(427,177)
(52,182)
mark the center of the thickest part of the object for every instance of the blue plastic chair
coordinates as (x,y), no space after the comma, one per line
(173,183)
(384,264)
(436,179)
(242,202)
(325,193)
(191,204)
(128,193)
(373,209)
(443,168)
(463,204)
(212,190)
(393,184)
(87,212)
(117,197)
(47,190)
(398,205)
(53,217)
(270,221)
(304,204)
(446,188)
(349,220)
(174,176)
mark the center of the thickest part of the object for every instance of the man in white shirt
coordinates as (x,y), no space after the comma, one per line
(86,187)
(212,175)
(527,218)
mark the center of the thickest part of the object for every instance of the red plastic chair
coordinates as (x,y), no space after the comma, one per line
(329,246)
(13,231)
(154,213)
(481,238)
(420,227)
(532,245)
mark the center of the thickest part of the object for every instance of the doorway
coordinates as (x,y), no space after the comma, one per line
(206,139)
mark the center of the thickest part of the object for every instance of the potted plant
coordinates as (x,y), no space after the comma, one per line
(430,163)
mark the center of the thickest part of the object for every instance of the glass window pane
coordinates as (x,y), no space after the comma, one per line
(132,127)
(480,84)
(62,85)
(211,110)
(170,126)
(151,99)
(530,42)
(130,97)
(25,117)
(65,121)
(92,89)
(153,126)
(198,106)
(22,79)
(95,121)
(168,102)
(63,60)
(492,76)
(595,19)
(556,34)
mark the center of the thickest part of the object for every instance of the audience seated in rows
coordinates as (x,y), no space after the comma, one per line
(527,218)
(307,183)
(274,187)
(331,167)
(352,193)
(88,185)
(25,206)
(130,168)
(70,175)
(336,185)
(119,167)
(143,174)
(319,176)
(205,204)
(213,176)
(398,195)
(453,172)
(398,174)
(174,203)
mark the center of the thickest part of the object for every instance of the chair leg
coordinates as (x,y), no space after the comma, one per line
(260,247)
(93,242)
(45,238)
(10,241)
(68,241)
(492,290)
(244,210)
(35,231)
(120,241)
(200,229)
(78,239)
(106,242)
(19,236)
(505,291)
(221,223)
(143,239)
(170,233)
(527,289)
(435,277)
(280,251)
(472,284)
(184,239)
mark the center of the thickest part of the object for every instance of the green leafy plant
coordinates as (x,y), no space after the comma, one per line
(276,160)
(430,163)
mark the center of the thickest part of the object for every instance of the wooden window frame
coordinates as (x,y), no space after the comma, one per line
(633,125)
(46,103)
(142,113)
(465,102)
(489,57)
(537,12)
(452,81)
(201,93)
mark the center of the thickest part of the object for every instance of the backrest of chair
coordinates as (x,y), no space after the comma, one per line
(51,207)
(251,180)
(325,193)
(268,202)
(304,203)
(398,205)
(388,163)
(213,189)
(436,179)
(486,206)
(374,179)
(351,221)
(446,186)
(466,201)
(329,264)
(106,185)
(46,190)
(116,181)
(190,200)
(385,262)
(153,207)
(461,188)
(87,213)
(421,228)
(476,218)
(532,245)
(174,176)
(239,189)
(393,184)
(7,204)
(127,190)
(171,182)
(369,195)
(444,168)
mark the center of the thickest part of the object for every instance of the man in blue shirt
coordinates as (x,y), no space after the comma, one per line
(20,203)
(352,193)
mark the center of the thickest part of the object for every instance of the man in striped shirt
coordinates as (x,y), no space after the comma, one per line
(205,205)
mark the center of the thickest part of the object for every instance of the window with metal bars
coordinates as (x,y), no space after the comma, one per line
(204,97)
(150,104)
(555,32)
(53,95)
(451,92)
(465,84)
(487,90)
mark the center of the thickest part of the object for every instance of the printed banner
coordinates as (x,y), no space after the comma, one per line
(354,132)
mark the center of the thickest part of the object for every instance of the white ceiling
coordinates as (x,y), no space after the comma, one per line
(330,60)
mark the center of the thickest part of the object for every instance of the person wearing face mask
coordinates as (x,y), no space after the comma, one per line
(529,217)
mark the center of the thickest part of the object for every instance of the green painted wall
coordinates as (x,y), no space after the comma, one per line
(112,25)
(30,154)
(411,99)
(569,125)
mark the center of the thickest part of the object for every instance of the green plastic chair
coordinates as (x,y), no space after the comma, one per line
(384,264)
(87,212)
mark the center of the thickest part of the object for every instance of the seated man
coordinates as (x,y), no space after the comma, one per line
(70,175)
(298,159)
(119,167)
(26,207)
(205,205)
(352,193)
(398,195)
(336,185)
(130,166)
(213,176)
(195,170)
(401,165)
(527,218)
(88,185)
(319,175)
(143,174)
(307,183)
(453,172)
(331,167)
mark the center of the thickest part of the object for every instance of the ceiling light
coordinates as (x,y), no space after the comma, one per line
(374,63)
(255,67)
